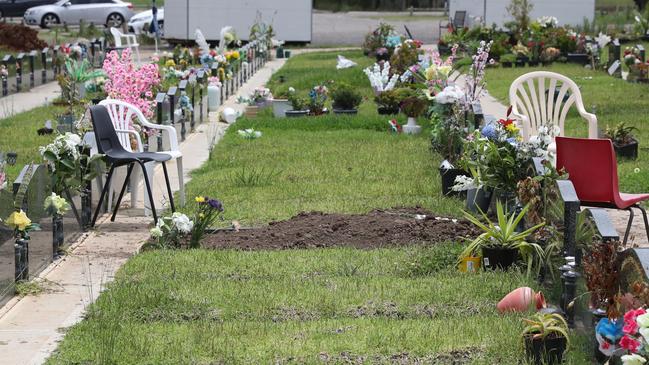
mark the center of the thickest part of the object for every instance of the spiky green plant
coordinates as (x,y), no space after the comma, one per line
(502,234)
(542,325)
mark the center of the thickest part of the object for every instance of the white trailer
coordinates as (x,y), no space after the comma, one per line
(291,19)
(568,12)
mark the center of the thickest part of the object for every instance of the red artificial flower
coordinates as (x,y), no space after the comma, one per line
(505,122)
(629,343)
(418,43)
(606,345)
(630,324)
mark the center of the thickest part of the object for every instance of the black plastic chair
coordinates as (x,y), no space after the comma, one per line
(109,145)
(458,21)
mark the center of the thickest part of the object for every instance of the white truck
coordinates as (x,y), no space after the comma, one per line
(291,19)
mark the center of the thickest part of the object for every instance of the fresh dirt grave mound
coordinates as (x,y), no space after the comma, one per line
(379,228)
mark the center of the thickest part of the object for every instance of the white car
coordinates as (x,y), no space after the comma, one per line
(140,22)
(112,13)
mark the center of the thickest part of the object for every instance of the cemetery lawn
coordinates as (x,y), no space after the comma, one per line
(615,101)
(301,307)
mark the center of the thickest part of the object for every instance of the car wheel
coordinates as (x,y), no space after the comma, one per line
(115,20)
(49,19)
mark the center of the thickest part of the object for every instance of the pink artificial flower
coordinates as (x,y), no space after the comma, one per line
(629,343)
(630,324)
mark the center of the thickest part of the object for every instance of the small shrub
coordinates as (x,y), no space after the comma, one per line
(388,100)
(346,97)
(20,37)
(250,177)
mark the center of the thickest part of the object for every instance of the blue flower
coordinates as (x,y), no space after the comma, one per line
(490,131)
(393,41)
(512,141)
(612,330)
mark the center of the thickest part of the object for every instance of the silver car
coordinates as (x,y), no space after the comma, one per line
(112,13)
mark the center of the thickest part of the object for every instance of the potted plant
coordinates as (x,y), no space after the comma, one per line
(546,338)
(507,60)
(549,55)
(281,105)
(624,142)
(500,243)
(345,99)
(522,54)
(387,103)
(56,206)
(317,98)
(412,105)
(298,104)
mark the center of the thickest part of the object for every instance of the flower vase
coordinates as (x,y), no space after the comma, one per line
(412,127)
(57,233)
(521,300)
(21,252)
(213,98)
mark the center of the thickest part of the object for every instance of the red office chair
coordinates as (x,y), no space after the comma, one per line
(592,169)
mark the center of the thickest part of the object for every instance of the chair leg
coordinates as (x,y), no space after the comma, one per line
(171,194)
(628,226)
(181,180)
(150,192)
(646,221)
(127,180)
(103,195)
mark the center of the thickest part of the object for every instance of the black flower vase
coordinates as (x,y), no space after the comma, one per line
(21,252)
(57,233)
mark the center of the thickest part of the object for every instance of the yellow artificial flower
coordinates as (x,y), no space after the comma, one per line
(512,128)
(170,63)
(431,72)
(19,221)
(445,70)
(200,199)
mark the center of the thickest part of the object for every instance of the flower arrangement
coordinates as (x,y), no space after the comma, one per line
(207,212)
(21,224)
(249,133)
(214,81)
(169,231)
(381,78)
(131,83)
(549,54)
(56,205)
(548,21)
(405,55)
(433,71)
(317,98)
(475,85)
(297,101)
(394,126)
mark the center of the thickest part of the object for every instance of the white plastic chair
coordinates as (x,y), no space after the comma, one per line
(122,114)
(130,39)
(533,101)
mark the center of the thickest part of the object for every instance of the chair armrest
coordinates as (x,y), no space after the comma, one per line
(173,137)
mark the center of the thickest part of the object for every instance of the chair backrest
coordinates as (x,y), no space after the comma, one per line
(459,19)
(117,36)
(542,97)
(123,115)
(591,166)
(108,142)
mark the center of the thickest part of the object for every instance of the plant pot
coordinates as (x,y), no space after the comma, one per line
(387,111)
(280,107)
(507,64)
(578,58)
(412,127)
(57,233)
(296,113)
(533,63)
(470,264)
(498,258)
(279,52)
(521,300)
(251,111)
(346,111)
(629,150)
(507,198)
(448,180)
(382,57)
(521,61)
(478,200)
(287,54)
(547,351)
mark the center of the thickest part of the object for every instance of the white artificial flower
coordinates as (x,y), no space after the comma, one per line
(156,232)
(182,223)
(450,95)
(602,40)
(291,89)
(633,359)
(463,183)
(380,79)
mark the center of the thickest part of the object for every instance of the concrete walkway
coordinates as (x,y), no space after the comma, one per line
(13,104)
(31,327)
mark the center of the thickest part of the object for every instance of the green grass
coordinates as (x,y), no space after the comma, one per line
(615,101)
(19,134)
(209,307)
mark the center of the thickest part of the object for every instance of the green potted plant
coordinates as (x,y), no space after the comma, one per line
(546,338)
(412,105)
(298,104)
(387,102)
(501,243)
(507,60)
(623,140)
(522,54)
(345,99)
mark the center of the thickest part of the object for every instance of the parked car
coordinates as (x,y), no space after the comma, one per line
(16,8)
(140,22)
(112,13)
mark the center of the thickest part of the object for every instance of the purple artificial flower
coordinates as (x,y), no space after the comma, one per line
(215,204)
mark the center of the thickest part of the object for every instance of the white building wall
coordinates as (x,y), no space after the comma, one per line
(568,12)
(291,19)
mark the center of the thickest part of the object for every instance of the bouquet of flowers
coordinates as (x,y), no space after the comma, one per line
(249,133)
(317,97)
(207,212)
(56,205)
(635,338)
(380,78)
(170,230)
(21,224)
